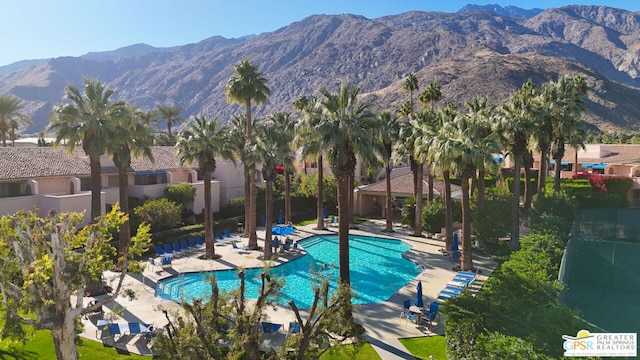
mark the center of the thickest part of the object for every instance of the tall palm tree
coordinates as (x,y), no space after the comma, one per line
(87,121)
(460,146)
(13,127)
(567,128)
(132,138)
(481,115)
(408,133)
(285,133)
(241,149)
(201,143)
(309,142)
(170,114)
(10,111)
(515,123)
(346,128)
(429,97)
(246,86)
(270,151)
(410,85)
(388,135)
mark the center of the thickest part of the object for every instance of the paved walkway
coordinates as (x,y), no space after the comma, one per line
(381,321)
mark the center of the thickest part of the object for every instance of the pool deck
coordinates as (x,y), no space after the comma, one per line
(381,320)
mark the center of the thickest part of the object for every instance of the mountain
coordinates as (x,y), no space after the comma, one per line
(511,11)
(469,53)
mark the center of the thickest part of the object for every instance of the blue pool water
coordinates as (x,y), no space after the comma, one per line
(378,271)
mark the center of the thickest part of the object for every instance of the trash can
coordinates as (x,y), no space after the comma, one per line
(240,227)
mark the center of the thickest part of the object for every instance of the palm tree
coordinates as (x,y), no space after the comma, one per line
(170,114)
(13,127)
(248,85)
(460,146)
(567,128)
(132,138)
(10,112)
(270,151)
(346,128)
(201,143)
(389,134)
(241,149)
(482,115)
(285,132)
(515,123)
(88,121)
(309,142)
(429,97)
(408,133)
(410,85)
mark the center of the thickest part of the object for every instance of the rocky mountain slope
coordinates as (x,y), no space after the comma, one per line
(470,53)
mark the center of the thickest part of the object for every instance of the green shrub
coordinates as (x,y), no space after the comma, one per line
(162,214)
(409,211)
(180,193)
(495,221)
(433,214)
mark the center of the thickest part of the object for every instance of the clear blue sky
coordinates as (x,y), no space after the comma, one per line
(40,29)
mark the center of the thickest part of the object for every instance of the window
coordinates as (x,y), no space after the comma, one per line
(636,173)
(610,171)
(10,190)
(85,184)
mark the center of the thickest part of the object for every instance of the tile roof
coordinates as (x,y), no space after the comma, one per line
(38,162)
(33,162)
(402,184)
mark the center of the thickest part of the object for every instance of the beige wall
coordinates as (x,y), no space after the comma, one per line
(12,205)
(67,203)
(230,177)
(56,185)
(198,203)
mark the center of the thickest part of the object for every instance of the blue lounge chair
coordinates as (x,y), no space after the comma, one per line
(168,249)
(176,248)
(294,327)
(228,234)
(184,246)
(270,328)
(137,328)
(117,329)
(219,236)
(192,243)
(166,260)
(159,250)
(200,242)
(234,246)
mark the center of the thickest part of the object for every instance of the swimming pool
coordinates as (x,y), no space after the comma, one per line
(378,271)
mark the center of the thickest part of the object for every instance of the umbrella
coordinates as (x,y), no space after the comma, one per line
(454,243)
(280,220)
(418,301)
(326,212)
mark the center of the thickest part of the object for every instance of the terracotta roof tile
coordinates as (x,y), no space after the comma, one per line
(402,184)
(34,162)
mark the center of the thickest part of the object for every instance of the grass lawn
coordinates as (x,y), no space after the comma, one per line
(41,347)
(366,352)
(423,347)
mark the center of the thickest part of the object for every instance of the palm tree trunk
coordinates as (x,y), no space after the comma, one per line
(481,187)
(247,196)
(268,198)
(319,202)
(448,209)
(389,203)
(466,261)
(514,244)
(430,179)
(96,186)
(542,171)
(253,238)
(287,196)
(528,188)
(556,173)
(352,224)
(125,230)
(417,228)
(343,229)
(210,251)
